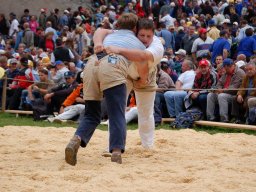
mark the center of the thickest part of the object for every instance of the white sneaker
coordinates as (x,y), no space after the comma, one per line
(50,119)
(104,123)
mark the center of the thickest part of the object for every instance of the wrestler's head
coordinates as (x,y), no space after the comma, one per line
(145,31)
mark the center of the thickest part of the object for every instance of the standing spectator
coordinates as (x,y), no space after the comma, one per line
(82,40)
(247,45)
(25,17)
(188,39)
(13,25)
(4,26)
(61,53)
(220,46)
(28,36)
(167,36)
(42,19)
(244,26)
(50,29)
(213,32)
(47,43)
(232,79)
(178,38)
(64,20)
(33,24)
(201,44)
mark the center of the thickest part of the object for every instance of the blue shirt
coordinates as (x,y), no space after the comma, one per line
(247,46)
(218,46)
(125,39)
(168,38)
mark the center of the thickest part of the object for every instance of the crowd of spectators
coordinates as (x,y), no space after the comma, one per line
(210,52)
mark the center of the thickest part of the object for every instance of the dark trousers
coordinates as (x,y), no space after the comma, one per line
(201,101)
(158,107)
(115,98)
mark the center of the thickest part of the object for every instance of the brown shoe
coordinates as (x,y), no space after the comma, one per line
(71,150)
(116,157)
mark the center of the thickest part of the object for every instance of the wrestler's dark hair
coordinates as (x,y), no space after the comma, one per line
(147,24)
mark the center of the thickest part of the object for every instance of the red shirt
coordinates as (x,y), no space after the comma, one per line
(49,44)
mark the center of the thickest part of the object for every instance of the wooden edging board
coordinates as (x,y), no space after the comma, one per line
(218,124)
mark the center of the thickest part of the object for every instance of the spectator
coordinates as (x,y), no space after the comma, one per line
(247,45)
(213,32)
(42,19)
(47,43)
(167,36)
(33,24)
(201,44)
(13,25)
(188,40)
(232,79)
(4,26)
(179,58)
(56,96)
(57,75)
(163,81)
(174,99)
(220,46)
(240,103)
(165,67)
(61,53)
(28,36)
(204,79)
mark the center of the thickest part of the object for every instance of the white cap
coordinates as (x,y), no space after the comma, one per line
(134,1)
(42,55)
(112,7)
(42,10)
(225,21)
(164,60)
(82,75)
(235,23)
(2,51)
(180,28)
(172,4)
(16,55)
(66,11)
(79,17)
(240,64)
(181,52)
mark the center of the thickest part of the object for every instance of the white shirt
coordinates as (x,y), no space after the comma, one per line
(13,27)
(168,20)
(187,79)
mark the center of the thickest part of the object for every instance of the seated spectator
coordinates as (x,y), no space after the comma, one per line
(174,99)
(21,81)
(56,96)
(232,79)
(165,67)
(240,103)
(204,79)
(36,90)
(179,58)
(57,74)
(163,81)
(72,106)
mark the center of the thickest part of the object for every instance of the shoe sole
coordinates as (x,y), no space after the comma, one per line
(116,157)
(70,156)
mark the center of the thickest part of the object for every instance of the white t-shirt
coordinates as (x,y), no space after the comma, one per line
(13,27)
(157,50)
(187,79)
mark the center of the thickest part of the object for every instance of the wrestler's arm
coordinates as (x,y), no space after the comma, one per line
(98,37)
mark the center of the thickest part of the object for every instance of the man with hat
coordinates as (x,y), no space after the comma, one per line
(220,46)
(201,44)
(204,79)
(213,32)
(56,96)
(57,75)
(179,58)
(232,79)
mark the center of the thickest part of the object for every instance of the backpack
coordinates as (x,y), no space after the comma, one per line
(186,119)
(39,108)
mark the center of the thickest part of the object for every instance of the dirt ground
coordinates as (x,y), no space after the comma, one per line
(32,159)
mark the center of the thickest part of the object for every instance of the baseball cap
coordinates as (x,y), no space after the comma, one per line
(240,64)
(79,18)
(82,75)
(225,21)
(202,30)
(66,11)
(235,23)
(42,55)
(164,60)
(69,74)
(46,60)
(42,10)
(13,60)
(203,62)
(30,63)
(180,28)
(181,52)
(58,62)
(227,62)
(24,61)
(27,50)
(2,52)
(211,22)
